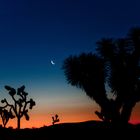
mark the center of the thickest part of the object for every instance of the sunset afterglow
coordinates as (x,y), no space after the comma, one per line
(36,36)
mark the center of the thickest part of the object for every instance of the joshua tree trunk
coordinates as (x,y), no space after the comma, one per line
(106,110)
(126,112)
(18,122)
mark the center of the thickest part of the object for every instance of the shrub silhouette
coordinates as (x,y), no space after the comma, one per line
(115,66)
(55,119)
(6,115)
(19,108)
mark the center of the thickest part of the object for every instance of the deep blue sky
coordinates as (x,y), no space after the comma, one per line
(33,32)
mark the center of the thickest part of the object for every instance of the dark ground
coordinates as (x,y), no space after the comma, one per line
(84,130)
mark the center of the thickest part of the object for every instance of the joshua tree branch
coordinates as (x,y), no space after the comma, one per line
(24,108)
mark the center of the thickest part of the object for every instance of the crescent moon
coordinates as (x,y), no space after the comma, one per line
(52,62)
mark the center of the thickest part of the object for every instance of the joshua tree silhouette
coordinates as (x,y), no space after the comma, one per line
(116,65)
(55,119)
(20,107)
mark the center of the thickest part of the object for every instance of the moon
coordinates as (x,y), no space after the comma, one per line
(52,62)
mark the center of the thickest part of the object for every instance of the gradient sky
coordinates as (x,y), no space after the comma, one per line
(34,32)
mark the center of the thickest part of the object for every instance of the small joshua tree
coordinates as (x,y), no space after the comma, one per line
(21,104)
(55,119)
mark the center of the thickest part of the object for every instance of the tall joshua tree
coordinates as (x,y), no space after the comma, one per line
(117,65)
(21,104)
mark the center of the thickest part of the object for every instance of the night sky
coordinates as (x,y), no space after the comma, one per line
(34,32)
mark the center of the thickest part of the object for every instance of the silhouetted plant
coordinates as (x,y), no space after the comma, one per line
(6,115)
(55,119)
(20,107)
(86,71)
(116,65)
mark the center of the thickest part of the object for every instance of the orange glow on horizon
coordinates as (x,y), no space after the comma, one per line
(65,116)
(79,114)
(36,122)
(40,121)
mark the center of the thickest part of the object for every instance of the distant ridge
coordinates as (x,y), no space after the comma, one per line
(66,131)
(89,124)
